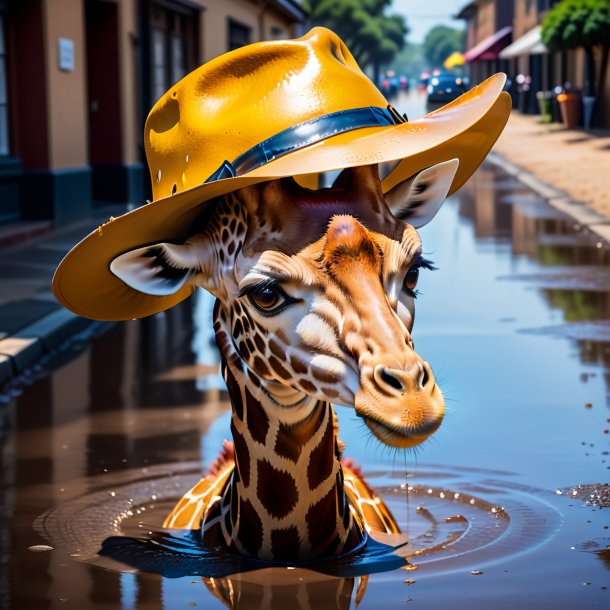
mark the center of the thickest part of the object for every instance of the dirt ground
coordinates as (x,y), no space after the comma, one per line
(574,161)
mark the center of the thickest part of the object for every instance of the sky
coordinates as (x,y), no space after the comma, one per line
(422,15)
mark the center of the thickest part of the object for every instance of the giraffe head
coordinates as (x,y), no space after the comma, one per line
(317,292)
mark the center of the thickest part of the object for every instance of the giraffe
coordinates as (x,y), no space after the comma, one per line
(315,294)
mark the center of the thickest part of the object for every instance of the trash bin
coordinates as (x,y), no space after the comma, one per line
(555,110)
(544,105)
(588,106)
(569,102)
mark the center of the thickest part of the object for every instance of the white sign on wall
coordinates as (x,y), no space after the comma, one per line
(66,54)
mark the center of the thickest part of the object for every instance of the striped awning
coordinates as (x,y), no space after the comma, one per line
(490,47)
(529,44)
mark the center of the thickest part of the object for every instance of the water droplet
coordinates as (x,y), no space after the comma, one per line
(159,176)
(456,519)
(410,567)
(476,572)
(40,548)
(113,493)
(410,581)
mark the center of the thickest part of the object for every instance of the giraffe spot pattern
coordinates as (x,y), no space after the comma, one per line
(256,418)
(290,440)
(284,543)
(321,460)
(277,366)
(276,490)
(242,456)
(298,366)
(320,519)
(250,529)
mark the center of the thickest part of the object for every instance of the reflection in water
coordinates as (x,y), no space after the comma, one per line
(137,398)
(274,591)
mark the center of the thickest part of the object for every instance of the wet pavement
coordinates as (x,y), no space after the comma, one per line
(505,505)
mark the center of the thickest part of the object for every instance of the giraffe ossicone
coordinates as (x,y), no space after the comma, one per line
(315,287)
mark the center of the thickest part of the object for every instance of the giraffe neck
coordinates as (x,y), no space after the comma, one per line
(286,497)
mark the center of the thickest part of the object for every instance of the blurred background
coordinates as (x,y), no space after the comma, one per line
(78,77)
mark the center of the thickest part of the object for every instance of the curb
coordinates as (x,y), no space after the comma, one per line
(560,200)
(23,349)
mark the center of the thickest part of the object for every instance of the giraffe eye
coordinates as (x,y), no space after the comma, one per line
(411,279)
(265,297)
(269,298)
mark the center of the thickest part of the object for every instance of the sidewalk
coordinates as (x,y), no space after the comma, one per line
(32,322)
(576,162)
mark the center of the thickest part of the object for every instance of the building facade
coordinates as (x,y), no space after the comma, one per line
(78,78)
(531,67)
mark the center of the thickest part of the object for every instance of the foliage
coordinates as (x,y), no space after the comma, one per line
(410,61)
(373,37)
(440,42)
(577,23)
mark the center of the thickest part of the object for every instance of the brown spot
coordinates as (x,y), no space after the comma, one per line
(254,378)
(276,349)
(238,329)
(330,392)
(260,343)
(281,335)
(243,350)
(285,543)
(246,323)
(260,366)
(225,236)
(276,490)
(242,456)
(321,522)
(277,366)
(250,344)
(308,386)
(257,420)
(322,458)
(250,532)
(291,439)
(231,248)
(298,366)
(324,376)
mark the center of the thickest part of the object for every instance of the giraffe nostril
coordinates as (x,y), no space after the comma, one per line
(391,380)
(387,380)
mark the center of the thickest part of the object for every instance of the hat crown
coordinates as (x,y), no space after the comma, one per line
(241,98)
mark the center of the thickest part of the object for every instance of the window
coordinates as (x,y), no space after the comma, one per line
(172,48)
(239,35)
(4,127)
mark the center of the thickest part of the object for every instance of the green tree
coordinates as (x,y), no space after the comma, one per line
(580,23)
(373,36)
(440,42)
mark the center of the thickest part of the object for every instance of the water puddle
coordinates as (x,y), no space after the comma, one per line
(506,506)
(451,518)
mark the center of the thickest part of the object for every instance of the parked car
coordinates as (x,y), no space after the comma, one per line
(445,88)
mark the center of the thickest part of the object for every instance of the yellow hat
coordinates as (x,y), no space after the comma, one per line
(265,111)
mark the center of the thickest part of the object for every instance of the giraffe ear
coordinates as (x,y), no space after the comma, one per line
(419,198)
(159,270)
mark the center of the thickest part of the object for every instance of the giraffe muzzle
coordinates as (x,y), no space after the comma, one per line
(401,406)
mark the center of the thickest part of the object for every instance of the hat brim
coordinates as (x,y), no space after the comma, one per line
(465,129)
